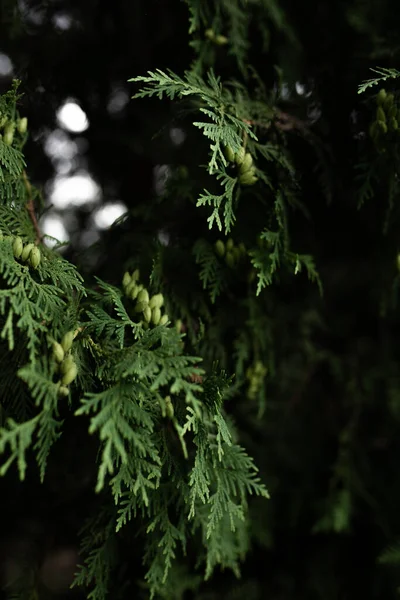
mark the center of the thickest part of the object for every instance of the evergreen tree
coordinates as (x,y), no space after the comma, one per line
(225,365)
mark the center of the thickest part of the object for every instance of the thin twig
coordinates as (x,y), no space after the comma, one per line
(31,207)
(283,121)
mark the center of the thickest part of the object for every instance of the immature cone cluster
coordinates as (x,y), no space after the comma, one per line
(244,162)
(219,40)
(62,355)
(28,252)
(386,116)
(150,308)
(232,254)
(255,374)
(8,127)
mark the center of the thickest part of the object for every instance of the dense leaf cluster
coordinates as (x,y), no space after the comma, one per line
(167,455)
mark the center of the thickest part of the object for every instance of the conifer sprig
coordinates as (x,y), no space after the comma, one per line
(384,74)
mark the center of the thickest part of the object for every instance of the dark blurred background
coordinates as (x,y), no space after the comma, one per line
(91,148)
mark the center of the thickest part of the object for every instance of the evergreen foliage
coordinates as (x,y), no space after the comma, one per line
(233,404)
(166,451)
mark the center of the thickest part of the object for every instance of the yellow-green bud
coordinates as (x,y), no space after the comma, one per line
(17,247)
(382,126)
(381,96)
(63,391)
(373,131)
(67,340)
(66,364)
(136,275)
(22,125)
(388,102)
(3,121)
(253,388)
(58,352)
(230,259)
(259,368)
(220,248)
(134,292)
(221,40)
(249,178)
(35,257)
(164,320)
(156,300)
(8,138)
(70,375)
(155,315)
(242,249)
(209,33)
(229,244)
(130,288)
(236,254)
(26,251)
(143,296)
(169,407)
(126,279)
(247,163)
(239,156)
(140,306)
(9,134)
(380,114)
(229,154)
(392,112)
(147,314)
(178,325)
